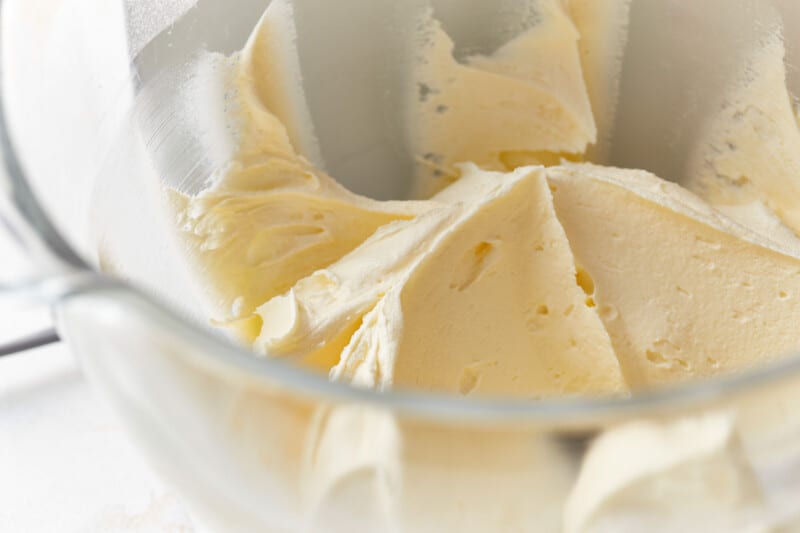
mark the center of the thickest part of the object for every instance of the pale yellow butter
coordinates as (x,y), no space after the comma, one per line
(479,295)
(525,101)
(269,218)
(684,292)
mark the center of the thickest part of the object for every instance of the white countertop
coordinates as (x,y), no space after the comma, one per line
(65,463)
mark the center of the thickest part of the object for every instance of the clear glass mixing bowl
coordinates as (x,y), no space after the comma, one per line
(89,128)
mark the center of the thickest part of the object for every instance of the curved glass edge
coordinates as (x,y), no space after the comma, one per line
(249,453)
(223,356)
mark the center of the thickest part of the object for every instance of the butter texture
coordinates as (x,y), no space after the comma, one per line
(269,217)
(684,291)
(480,295)
(525,101)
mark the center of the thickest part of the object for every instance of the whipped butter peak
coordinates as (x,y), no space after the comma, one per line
(477,295)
